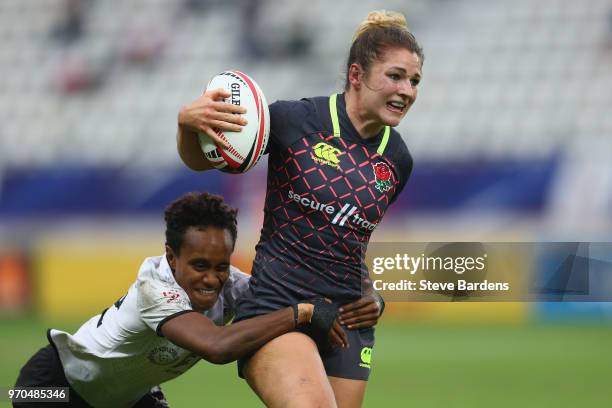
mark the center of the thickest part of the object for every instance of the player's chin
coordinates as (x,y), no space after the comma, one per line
(203,301)
(392,118)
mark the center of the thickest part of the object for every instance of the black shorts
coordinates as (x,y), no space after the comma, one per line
(354,362)
(45,369)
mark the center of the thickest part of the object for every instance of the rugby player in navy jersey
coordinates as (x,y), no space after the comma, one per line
(335,165)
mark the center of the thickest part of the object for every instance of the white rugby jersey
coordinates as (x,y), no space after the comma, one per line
(116,357)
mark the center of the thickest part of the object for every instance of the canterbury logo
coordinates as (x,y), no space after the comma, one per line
(366,357)
(326,154)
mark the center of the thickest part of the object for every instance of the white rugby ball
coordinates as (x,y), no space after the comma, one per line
(246,147)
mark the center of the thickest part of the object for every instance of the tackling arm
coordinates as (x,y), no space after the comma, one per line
(223,344)
(364,312)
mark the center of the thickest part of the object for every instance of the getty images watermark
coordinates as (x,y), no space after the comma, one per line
(479,271)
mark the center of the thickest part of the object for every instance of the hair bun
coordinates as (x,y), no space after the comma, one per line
(381,18)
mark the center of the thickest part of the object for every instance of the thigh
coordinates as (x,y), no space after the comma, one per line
(348,369)
(348,393)
(288,372)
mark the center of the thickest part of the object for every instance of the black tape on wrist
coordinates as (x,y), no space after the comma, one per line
(321,322)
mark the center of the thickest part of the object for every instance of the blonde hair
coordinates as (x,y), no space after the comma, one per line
(381,18)
(380,31)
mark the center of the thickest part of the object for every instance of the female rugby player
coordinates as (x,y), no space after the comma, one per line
(335,165)
(174,314)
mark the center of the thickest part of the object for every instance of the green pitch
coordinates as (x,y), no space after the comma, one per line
(414,366)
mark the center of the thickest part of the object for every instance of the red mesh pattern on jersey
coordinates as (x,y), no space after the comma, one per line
(304,236)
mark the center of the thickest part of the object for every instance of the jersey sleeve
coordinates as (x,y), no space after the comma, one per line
(159,301)
(403,162)
(286,122)
(235,287)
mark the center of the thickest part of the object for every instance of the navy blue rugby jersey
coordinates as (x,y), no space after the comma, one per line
(326,193)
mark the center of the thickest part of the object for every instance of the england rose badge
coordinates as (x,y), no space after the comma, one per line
(382,176)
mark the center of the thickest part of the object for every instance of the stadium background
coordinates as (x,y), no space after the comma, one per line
(511,135)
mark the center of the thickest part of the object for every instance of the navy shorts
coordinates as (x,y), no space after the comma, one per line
(354,362)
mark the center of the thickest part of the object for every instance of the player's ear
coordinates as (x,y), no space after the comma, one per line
(355,76)
(171,258)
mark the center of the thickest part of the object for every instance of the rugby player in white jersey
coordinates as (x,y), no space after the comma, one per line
(172,316)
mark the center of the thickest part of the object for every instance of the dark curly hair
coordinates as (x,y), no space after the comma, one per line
(197,210)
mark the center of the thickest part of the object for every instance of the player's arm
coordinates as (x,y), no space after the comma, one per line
(362,313)
(189,150)
(204,115)
(223,344)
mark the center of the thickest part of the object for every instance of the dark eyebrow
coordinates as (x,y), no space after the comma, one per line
(199,259)
(417,74)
